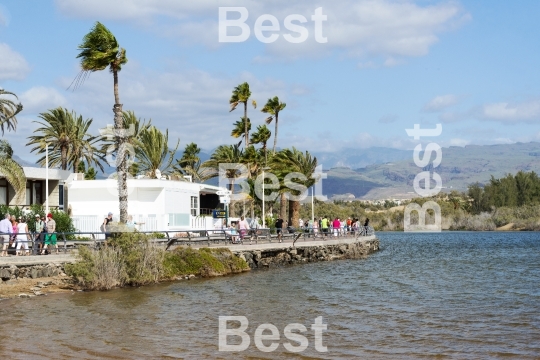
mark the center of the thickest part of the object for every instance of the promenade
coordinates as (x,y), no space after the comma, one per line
(261,245)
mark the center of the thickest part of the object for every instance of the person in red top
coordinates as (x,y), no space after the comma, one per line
(336,224)
(349,223)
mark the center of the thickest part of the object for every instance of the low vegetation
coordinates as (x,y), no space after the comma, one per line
(131,259)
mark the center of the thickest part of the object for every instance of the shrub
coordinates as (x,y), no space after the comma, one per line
(203,262)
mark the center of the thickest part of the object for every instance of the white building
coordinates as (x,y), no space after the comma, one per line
(159,204)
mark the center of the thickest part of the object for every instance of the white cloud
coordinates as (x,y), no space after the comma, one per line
(388,119)
(191,103)
(13,65)
(441,102)
(528,111)
(380,29)
(40,99)
(459,142)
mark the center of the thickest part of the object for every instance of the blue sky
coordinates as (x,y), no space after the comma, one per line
(470,65)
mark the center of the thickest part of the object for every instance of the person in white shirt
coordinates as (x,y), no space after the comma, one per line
(6,229)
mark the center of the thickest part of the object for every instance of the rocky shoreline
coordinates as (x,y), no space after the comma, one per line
(268,258)
(29,280)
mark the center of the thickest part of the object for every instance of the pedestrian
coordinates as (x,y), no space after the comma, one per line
(336,225)
(22,237)
(279,229)
(5,233)
(315,228)
(243,227)
(130,223)
(38,235)
(349,224)
(14,228)
(105,225)
(324,226)
(50,238)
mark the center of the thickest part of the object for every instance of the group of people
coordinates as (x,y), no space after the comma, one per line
(15,231)
(324,226)
(237,230)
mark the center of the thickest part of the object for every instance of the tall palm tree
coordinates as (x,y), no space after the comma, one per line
(100,50)
(12,171)
(190,164)
(273,107)
(230,154)
(241,95)
(240,128)
(287,161)
(8,111)
(66,135)
(153,151)
(261,136)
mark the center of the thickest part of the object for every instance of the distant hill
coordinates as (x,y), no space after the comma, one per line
(460,167)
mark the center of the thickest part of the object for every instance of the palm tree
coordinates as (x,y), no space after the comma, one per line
(240,128)
(190,164)
(66,135)
(135,127)
(8,111)
(273,107)
(261,137)
(230,154)
(100,50)
(241,95)
(153,151)
(287,161)
(12,171)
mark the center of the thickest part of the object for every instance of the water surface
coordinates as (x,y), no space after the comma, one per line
(462,295)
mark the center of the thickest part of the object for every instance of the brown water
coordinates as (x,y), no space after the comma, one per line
(445,296)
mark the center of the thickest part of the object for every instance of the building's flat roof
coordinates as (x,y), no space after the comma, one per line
(36,173)
(146,184)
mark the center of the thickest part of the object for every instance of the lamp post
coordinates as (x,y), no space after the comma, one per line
(263,207)
(46,179)
(312,209)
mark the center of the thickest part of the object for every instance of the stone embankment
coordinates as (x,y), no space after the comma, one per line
(32,271)
(280,255)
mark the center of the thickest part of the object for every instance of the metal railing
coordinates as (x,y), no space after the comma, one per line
(67,241)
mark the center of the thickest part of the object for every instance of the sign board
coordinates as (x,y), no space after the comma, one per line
(224,192)
(225,200)
(219,214)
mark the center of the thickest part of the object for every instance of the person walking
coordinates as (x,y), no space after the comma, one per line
(23,237)
(279,229)
(243,227)
(336,225)
(38,236)
(50,237)
(105,225)
(324,226)
(5,233)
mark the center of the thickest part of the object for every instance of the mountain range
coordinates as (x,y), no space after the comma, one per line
(382,173)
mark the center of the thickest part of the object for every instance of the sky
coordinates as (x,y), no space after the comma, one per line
(369,71)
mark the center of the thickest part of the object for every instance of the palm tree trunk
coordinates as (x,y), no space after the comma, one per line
(121,154)
(283,206)
(231,205)
(246,124)
(294,212)
(275,135)
(63,154)
(76,165)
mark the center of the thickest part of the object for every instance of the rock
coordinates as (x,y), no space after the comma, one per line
(38,293)
(241,256)
(24,295)
(5,273)
(293,252)
(35,288)
(191,276)
(34,274)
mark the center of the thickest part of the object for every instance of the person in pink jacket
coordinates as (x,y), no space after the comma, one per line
(336,224)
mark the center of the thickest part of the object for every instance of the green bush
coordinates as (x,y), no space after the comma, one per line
(204,262)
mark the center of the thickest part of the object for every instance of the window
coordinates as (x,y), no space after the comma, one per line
(61,197)
(194,206)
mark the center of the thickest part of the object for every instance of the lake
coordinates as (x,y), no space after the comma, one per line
(452,295)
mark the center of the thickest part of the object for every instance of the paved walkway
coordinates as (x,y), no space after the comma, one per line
(265,245)
(37,259)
